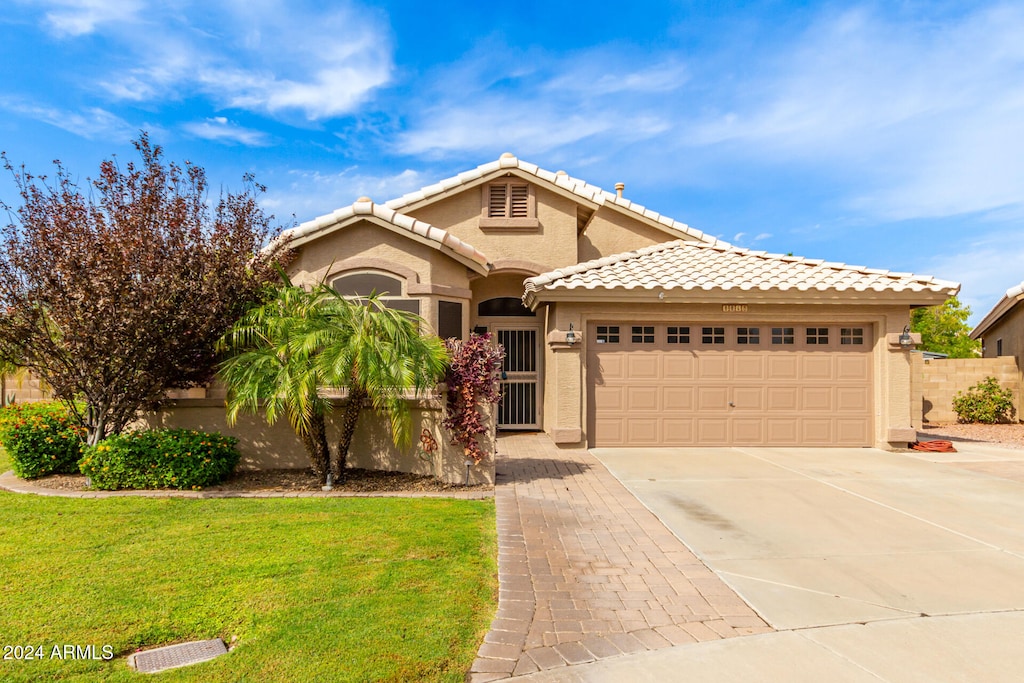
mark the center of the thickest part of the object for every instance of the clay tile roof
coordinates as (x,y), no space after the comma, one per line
(399,222)
(690,266)
(581,188)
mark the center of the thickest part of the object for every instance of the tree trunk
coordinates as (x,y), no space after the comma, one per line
(348,428)
(315,442)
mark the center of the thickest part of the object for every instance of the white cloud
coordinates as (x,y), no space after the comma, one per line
(308,194)
(219,129)
(79,17)
(90,123)
(269,56)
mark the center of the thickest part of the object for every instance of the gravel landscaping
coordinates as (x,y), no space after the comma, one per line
(1009,435)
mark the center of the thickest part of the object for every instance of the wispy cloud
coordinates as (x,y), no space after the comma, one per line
(90,123)
(269,56)
(219,129)
(308,194)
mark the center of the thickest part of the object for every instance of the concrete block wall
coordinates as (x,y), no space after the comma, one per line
(934,383)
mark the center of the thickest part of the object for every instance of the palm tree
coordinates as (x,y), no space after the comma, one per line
(286,352)
(379,355)
(266,368)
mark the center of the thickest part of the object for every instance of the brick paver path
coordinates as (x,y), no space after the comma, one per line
(586,572)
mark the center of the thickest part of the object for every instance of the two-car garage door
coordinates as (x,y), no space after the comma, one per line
(668,384)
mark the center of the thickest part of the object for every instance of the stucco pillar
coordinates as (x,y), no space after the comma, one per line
(564,384)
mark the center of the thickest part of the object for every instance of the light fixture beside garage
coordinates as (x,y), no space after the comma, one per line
(570,336)
(906,341)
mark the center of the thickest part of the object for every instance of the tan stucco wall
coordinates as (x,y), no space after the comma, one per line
(936,383)
(552,244)
(276,446)
(1010,329)
(611,232)
(565,382)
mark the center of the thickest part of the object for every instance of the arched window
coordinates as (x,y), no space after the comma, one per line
(504,307)
(389,288)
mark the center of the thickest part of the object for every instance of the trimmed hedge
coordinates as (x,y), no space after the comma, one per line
(160,458)
(41,439)
(985,402)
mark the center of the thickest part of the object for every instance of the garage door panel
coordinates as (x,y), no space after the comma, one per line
(609,399)
(670,394)
(782,399)
(643,366)
(852,399)
(747,431)
(748,398)
(816,399)
(816,367)
(642,399)
(782,365)
(748,367)
(712,398)
(713,366)
(677,399)
(680,365)
(678,430)
(643,431)
(852,367)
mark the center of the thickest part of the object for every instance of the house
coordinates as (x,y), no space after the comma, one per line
(623,327)
(1001,331)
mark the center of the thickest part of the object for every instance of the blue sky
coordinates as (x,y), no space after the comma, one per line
(885,134)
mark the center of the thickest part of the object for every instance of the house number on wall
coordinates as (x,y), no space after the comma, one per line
(734,308)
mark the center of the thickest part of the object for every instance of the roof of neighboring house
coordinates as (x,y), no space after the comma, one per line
(366,209)
(1002,307)
(694,267)
(558,181)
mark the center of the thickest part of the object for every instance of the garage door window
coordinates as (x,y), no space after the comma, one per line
(712,335)
(817,336)
(851,336)
(607,334)
(678,335)
(782,335)
(643,334)
(748,335)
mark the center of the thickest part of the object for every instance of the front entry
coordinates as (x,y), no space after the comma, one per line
(520,391)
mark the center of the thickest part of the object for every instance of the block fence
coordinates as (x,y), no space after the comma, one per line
(934,384)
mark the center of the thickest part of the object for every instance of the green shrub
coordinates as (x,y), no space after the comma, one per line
(161,458)
(40,439)
(984,402)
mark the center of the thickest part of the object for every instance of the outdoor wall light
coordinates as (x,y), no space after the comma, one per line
(570,336)
(905,338)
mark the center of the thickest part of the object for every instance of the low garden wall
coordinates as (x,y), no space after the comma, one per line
(276,446)
(934,384)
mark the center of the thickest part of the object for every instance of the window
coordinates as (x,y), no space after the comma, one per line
(504,307)
(643,334)
(999,347)
(782,335)
(449,319)
(509,204)
(607,334)
(851,336)
(387,287)
(712,335)
(678,335)
(748,335)
(817,336)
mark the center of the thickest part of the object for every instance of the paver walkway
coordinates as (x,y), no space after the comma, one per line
(586,572)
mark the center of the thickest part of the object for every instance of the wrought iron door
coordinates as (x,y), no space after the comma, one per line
(519,405)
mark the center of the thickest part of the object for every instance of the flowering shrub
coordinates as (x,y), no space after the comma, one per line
(160,458)
(472,379)
(40,438)
(985,402)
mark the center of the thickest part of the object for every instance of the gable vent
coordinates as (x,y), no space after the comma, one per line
(519,202)
(496,201)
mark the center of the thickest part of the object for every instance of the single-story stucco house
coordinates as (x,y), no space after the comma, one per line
(624,327)
(1001,331)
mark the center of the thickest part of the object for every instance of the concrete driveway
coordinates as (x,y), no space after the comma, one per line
(814,538)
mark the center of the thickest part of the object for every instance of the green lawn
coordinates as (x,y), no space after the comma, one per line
(331,589)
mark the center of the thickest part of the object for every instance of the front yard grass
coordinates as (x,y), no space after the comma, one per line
(339,589)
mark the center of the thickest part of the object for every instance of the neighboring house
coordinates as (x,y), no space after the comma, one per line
(625,327)
(1002,331)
